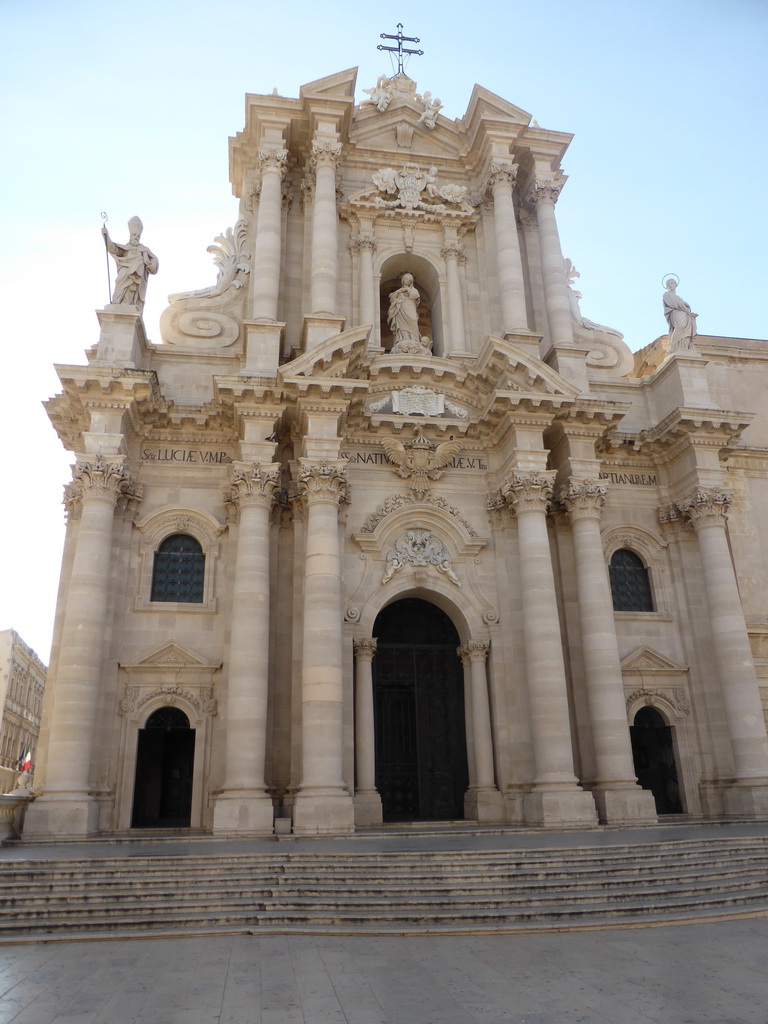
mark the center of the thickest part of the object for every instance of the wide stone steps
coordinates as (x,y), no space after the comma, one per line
(448,890)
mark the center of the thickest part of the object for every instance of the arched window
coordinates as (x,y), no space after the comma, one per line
(630,586)
(178,573)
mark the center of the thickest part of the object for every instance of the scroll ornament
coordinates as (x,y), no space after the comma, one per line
(209,317)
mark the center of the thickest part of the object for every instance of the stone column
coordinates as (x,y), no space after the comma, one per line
(502,175)
(543,196)
(322,803)
(244,804)
(368,311)
(708,511)
(454,254)
(483,801)
(556,797)
(367,800)
(617,794)
(67,806)
(265,278)
(324,257)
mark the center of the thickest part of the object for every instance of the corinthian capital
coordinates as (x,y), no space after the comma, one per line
(474,650)
(545,190)
(273,160)
(529,492)
(99,478)
(501,171)
(365,648)
(323,481)
(251,485)
(583,499)
(325,153)
(706,508)
(454,251)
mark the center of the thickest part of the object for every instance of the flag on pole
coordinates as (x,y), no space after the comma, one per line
(26,760)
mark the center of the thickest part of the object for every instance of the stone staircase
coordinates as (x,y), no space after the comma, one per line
(383,893)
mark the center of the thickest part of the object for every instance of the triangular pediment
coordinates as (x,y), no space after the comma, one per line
(171,655)
(338,86)
(485,105)
(646,659)
(380,131)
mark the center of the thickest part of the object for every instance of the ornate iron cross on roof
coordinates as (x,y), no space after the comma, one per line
(400,50)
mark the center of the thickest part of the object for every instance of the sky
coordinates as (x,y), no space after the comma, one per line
(127,108)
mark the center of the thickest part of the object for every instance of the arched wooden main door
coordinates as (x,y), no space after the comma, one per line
(654,758)
(418,688)
(162,796)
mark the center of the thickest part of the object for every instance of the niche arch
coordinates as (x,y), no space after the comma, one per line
(430,282)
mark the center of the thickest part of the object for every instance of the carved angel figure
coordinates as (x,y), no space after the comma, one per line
(432,108)
(385,180)
(453,193)
(380,94)
(420,460)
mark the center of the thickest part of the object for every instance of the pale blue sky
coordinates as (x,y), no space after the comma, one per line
(127,108)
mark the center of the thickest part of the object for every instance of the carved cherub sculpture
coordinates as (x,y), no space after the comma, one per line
(432,108)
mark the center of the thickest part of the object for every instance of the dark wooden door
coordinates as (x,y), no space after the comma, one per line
(654,758)
(421,756)
(164,765)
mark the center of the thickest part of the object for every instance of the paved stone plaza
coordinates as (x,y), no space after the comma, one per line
(707,974)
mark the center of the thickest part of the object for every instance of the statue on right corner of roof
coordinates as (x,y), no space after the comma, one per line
(681,321)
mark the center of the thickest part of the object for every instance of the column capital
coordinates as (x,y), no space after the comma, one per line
(474,650)
(361,242)
(251,485)
(365,648)
(101,479)
(500,171)
(529,492)
(706,507)
(325,153)
(583,499)
(454,251)
(323,481)
(545,190)
(273,160)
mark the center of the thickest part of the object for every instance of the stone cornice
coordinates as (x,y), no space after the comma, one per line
(135,393)
(686,427)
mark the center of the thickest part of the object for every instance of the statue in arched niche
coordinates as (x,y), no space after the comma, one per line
(403,319)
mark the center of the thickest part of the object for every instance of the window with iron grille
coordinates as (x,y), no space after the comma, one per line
(179,570)
(630,586)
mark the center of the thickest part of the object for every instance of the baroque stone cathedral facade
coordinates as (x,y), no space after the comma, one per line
(384,529)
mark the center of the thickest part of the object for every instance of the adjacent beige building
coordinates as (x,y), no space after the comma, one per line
(384,529)
(22,684)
